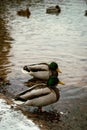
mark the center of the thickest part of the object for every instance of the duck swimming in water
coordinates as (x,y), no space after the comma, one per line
(40,95)
(24,13)
(42,70)
(53,10)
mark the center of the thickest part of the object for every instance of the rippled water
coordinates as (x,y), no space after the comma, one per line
(45,38)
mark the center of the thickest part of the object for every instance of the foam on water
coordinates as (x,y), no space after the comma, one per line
(14,120)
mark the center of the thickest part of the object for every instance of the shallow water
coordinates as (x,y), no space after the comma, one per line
(45,38)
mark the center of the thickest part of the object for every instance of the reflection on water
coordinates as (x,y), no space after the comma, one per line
(5,47)
(45,37)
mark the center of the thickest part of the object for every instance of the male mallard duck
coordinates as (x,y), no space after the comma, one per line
(42,70)
(24,12)
(53,9)
(41,94)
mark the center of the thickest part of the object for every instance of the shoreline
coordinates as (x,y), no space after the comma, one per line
(74,117)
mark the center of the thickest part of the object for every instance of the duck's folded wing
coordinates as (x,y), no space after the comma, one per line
(38,67)
(42,100)
(35,93)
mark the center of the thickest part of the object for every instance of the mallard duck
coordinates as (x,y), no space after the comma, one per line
(53,9)
(24,12)
(42,70)
(40,94)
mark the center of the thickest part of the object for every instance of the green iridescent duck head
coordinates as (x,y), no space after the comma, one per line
(54,67)
(53,81)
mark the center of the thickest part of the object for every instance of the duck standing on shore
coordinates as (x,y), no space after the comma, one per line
(40,95)
(53,9)
(42,70)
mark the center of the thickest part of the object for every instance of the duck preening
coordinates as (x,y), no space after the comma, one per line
(53,9)
(25,13)
(40,95)
(42,70)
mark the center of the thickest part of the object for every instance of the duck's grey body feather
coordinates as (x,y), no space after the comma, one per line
(40,95)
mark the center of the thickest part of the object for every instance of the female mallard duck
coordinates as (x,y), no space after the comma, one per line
(24,12)
(41,94)
(42,70)
(53,9)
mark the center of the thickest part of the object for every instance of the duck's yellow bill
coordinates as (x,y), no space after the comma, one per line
(60,82)
(58,70)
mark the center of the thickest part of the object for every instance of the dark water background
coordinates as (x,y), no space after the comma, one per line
(45,38)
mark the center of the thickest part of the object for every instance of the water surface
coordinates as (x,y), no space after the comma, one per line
(45,38)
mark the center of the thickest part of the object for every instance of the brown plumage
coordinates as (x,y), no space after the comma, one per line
(25,13)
